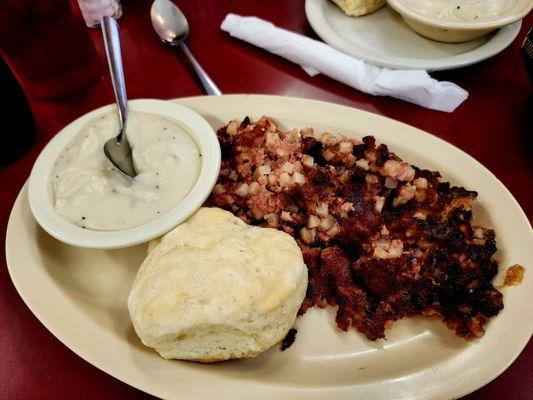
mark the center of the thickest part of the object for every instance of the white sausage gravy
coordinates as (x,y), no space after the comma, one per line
(89,193)
(460,10)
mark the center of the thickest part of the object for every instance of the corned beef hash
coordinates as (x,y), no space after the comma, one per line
(382,239)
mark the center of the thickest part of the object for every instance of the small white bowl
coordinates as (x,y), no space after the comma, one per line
(458,31)
(39,191)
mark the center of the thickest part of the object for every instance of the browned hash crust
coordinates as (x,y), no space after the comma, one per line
(381,239)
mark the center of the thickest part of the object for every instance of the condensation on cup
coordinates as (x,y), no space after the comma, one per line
(94,10)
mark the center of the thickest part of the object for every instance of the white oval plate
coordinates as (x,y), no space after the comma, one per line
(39,188)
(384,39)
(80,295)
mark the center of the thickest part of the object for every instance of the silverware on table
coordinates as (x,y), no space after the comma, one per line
(172,27)
(117,149)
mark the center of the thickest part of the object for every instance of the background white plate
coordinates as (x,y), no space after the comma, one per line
(80,295)
(384,39)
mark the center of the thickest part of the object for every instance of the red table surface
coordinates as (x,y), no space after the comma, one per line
(494,125)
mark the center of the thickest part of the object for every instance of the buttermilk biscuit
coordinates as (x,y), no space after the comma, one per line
(216,288)
(356,8)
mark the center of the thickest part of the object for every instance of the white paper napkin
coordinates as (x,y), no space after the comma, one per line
(415,86)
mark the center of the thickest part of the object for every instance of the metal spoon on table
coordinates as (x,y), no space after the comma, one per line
(117,149)
(173,28)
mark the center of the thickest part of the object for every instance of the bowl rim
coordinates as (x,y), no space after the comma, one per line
(518,11)
(40,200)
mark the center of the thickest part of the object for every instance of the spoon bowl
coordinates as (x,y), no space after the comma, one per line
(169,22)
(120,155)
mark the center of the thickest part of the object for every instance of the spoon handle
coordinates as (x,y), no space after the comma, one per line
(210,87)
(111,36)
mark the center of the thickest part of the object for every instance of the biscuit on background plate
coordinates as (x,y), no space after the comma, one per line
(357,8)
